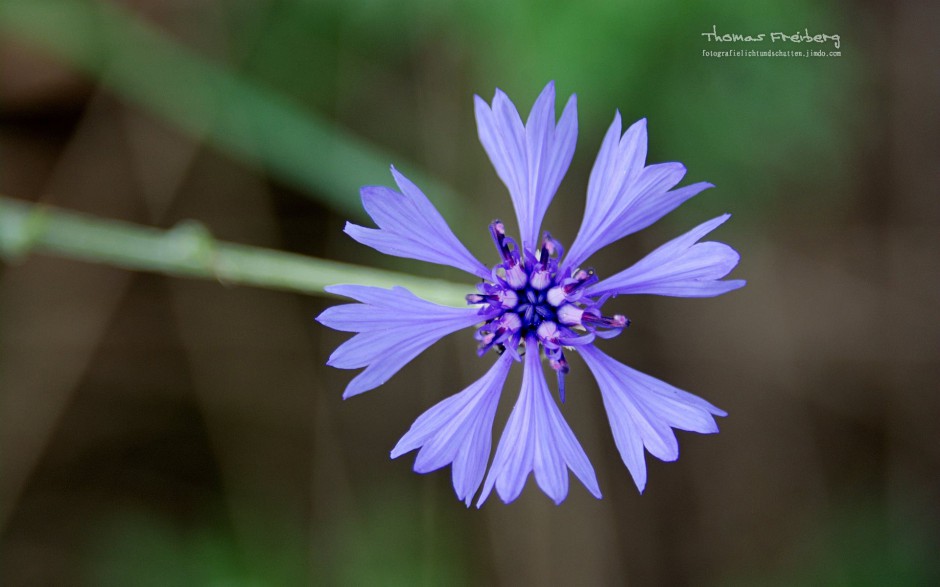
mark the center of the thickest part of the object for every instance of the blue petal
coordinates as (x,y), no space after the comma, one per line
(410,226)
(531,160)
(394,327)
(642,411)
(624,195)
(679,268)
(459,431)
(537,439)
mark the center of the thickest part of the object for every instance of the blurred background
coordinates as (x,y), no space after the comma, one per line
(167,431)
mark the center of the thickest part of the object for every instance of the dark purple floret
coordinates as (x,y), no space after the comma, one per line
(528,295)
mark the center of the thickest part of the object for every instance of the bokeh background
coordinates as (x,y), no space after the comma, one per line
(166,431)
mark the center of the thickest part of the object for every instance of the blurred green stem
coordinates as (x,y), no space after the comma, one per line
(189,250)
(211,102)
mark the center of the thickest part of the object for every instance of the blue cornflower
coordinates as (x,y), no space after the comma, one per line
(536,301)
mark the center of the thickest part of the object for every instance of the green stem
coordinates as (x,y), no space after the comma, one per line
(188,250)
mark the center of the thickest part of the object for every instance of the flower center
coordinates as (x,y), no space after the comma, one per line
(534,309)
(528,297)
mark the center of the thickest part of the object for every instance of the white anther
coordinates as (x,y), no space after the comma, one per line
(515,276)
(540,279)
(556,296)
(570,314)
(508,298)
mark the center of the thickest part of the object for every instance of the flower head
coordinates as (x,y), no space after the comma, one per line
(535,302)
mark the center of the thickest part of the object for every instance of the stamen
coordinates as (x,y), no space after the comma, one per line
(503,299)
(615,321)
(516,276)
(498,331)
(548,334)
(570,315)
(558,362)
(556,296)
(498,232)
(508,299)
(510,321)
(581,279)
(590,319)
(551,247)
(541,278)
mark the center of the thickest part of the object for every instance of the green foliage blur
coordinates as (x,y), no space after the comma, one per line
(268,90)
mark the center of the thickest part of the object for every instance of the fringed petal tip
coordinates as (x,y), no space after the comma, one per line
(410,226)
(342,289)
(643,411)
(457,431)
(717,412)
(393,326)
(537,440)
(531,159)
(352,389)
(624,194)
(683,267)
